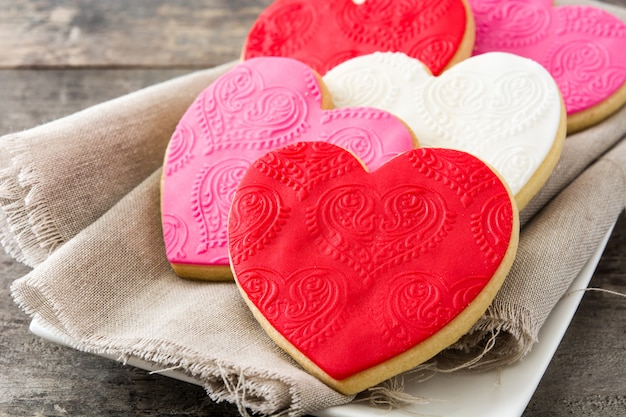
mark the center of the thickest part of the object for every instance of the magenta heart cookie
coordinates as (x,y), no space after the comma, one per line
(324,33)
(259,105)
(363,275)
(581,46)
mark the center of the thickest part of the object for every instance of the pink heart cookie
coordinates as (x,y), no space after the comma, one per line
(500,107)
(366,275)
(324,33)
(581,46)
(259,105)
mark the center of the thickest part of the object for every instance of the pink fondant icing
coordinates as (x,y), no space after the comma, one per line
(581,46)
(259,105)
(366,265)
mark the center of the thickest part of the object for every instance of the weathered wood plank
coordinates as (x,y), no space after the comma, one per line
(586,375)
(38,378)
(31,97)
(119,33)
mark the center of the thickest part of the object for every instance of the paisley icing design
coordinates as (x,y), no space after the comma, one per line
(260,105)
(407,247)
(262,287)
(370,232)
(175,235)
(367,145)
(323,34)
(323,162)
(240,110)
(434,51)
(316,299)
(581,46)
(212,195)
(466,178)
(418,303)
(532,28)
(584,71)
(490,227)
(497,106)
(292,27)
(388,23)
(181,144)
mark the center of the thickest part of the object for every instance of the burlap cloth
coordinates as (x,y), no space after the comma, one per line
(79,202)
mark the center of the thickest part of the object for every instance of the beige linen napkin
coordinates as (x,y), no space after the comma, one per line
(79,201)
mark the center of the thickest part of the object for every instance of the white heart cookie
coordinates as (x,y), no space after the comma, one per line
(502,108)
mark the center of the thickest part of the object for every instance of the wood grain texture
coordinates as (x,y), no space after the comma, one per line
(587,375)
(32,97)
(60,56)
(121,33)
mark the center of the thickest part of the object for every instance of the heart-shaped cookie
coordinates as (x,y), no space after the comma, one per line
(369,274)
(324,33)
(500,107)
(581,46)
(259,105)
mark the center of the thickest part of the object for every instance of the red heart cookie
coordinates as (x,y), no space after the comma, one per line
(260,105)
(325,33)
(582,47)
(366,275)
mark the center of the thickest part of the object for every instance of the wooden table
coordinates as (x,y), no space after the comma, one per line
(60,56)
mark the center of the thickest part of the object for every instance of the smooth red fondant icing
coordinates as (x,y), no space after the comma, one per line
(354,268)
(581,46)
(324,33)
(259,105)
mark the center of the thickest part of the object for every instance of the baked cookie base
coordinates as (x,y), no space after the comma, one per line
(593,115)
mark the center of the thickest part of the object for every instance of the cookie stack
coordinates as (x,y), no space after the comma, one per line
(359,174)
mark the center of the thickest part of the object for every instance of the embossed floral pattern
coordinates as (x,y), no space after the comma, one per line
(325,33)
(373,263)
(311,301)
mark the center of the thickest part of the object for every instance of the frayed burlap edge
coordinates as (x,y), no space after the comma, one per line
(250,391)
(28,232)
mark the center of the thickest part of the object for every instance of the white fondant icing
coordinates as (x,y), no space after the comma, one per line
(500,107)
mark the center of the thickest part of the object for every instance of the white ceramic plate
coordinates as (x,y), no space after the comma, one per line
(489,394)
